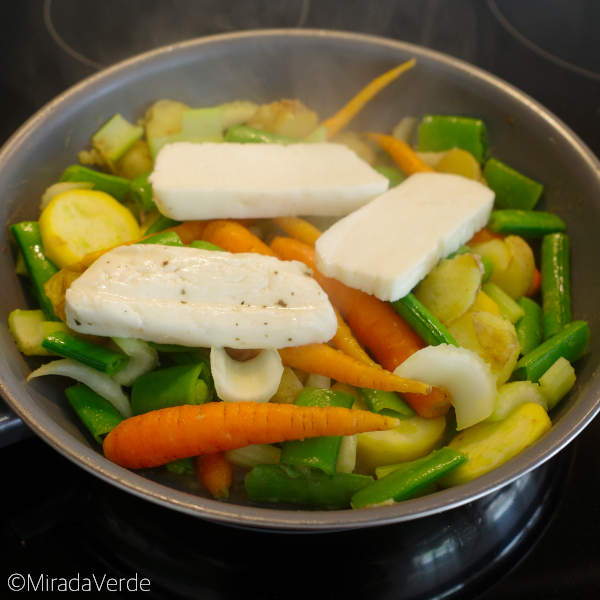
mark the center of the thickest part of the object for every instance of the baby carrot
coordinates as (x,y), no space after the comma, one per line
(347,113)
(234,237)
(374,323)
(402,154)
(345,341)
(299,229)
(325,360)
(165,435)
(215,473)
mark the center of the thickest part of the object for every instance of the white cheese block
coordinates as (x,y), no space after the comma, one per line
(200,298)
(233,181)
(389,245)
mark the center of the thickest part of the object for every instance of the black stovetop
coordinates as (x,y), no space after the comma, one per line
(58,521)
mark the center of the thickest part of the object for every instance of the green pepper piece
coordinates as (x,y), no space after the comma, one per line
(556,284)
(193,357)
(140,189)
(512,189)
(322,452)
(427,326)
(96,413)
(183,466)
(166,238)
(529,326)
(270,483)
(409,478)
(172,386)
(443,132)
(161,224)
(68,345)
(570,343)
(390,404)
(117,187)
(242,134)
(40,269)
(202,245)
(526,223)
(395,175)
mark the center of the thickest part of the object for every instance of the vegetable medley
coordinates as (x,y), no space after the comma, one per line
(409,395)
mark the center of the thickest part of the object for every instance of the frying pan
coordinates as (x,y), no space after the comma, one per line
(324,70)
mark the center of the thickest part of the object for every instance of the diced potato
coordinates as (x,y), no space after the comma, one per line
(358,145)
(514,264)
(287,117)
(489,445)
(492,337)
(510,395)
(452,287)
(163,118)
(414,438)
(289,388)
(135,162)
(460,162)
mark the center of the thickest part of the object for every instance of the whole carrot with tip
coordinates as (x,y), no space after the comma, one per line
(165,435)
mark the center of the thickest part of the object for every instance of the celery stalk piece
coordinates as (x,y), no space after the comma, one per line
(557,381)
(116,137)
(156,143)
(203,124)
(509,309)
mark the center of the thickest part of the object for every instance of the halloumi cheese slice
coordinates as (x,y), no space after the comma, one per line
(200,298)
(387,247)
(232,181)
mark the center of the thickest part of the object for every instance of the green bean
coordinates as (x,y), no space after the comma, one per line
(68,345)
(117,187)
(570,343)
(390,404)
(161,224)
(512,189)
(526,223)
(183,466)
(529,326)
(98,415)
(443,132)
(422,321)
(409,478)
(556,285)
(322,452)
(242,134)
(140,189)
(166,238)
(202,245)
(40,269)
(271,483)
(172,386)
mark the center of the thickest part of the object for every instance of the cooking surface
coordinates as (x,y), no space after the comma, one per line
(536,539)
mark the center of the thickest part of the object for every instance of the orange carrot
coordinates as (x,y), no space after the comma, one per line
(402,154)
(535,284)
(324,360)
(161,436)
(215,473)
(374,323)
(345,341)
(299,229)
(347,113)
(484,235)
(234,237)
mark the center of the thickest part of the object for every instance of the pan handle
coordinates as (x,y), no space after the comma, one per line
(12,429)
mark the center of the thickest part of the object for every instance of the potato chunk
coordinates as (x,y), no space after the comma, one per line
(287,117)
(489,445)
(452,287)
